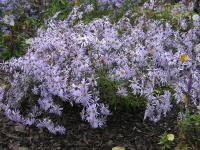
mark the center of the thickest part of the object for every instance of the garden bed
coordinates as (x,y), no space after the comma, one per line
(129,68)
(123,129)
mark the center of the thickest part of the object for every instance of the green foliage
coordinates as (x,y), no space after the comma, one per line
(62,6)
(12,45)
(114,14)
(25,27)
(108,90)
(190,129)
(108,94)
(165,15)
(95,14)
(191,120)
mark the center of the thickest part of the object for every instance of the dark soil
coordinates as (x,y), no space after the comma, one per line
(123,129)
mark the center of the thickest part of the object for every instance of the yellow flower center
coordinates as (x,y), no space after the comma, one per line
(184,58)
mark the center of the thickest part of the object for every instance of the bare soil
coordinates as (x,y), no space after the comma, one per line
(123,129)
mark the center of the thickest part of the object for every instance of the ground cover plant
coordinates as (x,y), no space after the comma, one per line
(146,56)
(19,21)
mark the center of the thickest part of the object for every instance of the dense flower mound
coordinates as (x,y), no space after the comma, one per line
(63,61)
(12,10)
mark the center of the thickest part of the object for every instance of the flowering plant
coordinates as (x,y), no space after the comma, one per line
(63,61)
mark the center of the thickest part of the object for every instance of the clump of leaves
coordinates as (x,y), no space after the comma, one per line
(108,90)
(190,129)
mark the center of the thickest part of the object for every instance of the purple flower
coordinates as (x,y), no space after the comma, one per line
(64,60)
(121,91)
(29,121)
(1,93)
(60,129)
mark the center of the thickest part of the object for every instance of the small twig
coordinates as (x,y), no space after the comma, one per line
(10,136)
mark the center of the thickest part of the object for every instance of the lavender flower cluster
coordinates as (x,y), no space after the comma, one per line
(12,9)
(63,62)
(116,3)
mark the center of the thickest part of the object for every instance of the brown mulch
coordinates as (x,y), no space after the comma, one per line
(123,129)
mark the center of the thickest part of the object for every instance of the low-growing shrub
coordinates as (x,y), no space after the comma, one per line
(141,59)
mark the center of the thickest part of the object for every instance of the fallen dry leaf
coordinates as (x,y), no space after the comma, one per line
(23,148)
(118,148)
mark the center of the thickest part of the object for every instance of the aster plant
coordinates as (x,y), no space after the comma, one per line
(63,61)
